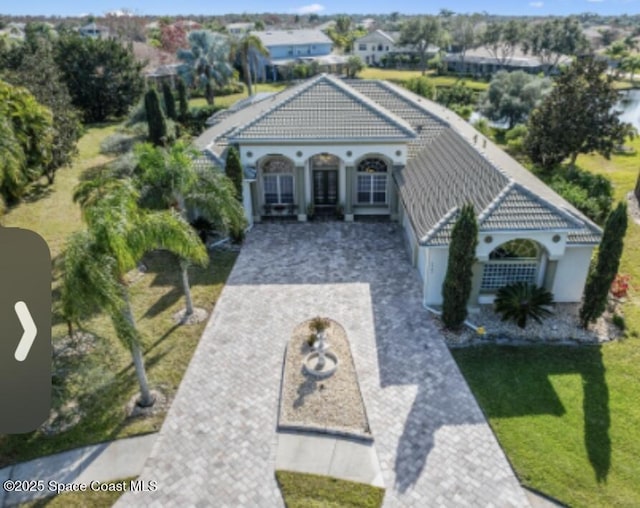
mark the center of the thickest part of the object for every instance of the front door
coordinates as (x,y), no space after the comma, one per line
(325,187)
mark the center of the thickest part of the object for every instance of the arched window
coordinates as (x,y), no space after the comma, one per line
(514,261)
(277,178)
(372,182)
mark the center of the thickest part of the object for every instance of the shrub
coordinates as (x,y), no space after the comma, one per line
(521,301)
(118,143)
(319,324)
(515,139)
(421,86)
(618,322)
(229,89)
(589,193)
(620,286)
(459,94)
(603,273)
(155,118)
(196,122)
(462,254)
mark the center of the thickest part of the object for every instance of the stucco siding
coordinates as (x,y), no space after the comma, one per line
(436,269)
(349,153)
(571,274)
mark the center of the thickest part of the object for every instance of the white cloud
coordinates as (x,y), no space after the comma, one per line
(537,5)
(595,1)
(310,9)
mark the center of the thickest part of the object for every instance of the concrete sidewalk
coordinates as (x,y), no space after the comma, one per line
(326,455)
(102,463)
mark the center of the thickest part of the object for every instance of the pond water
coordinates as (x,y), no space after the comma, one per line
(629,105)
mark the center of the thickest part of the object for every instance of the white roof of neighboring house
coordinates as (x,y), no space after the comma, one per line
(483,55)
(292,37)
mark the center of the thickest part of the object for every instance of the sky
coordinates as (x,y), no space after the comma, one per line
(328,7)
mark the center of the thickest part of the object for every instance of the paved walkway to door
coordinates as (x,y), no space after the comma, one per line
(217,446)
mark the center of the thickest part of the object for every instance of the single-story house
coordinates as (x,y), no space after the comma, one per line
(482,62)
(371,148)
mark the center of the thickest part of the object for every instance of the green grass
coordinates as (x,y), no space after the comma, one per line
(229,100)
(439,81)
(301,490)
(568,418)
(103,381)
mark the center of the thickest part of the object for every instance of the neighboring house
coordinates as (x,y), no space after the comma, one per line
(287,47)
(239,29)
(375,47)
(480,62)
(371,148)
(167,73)
(94,31)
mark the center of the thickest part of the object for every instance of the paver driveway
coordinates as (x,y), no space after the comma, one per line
(217,445)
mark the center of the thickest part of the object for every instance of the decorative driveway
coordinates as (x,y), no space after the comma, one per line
(217,446)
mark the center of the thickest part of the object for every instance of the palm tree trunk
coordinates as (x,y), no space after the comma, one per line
(247,73)
(184,266)
(146,399)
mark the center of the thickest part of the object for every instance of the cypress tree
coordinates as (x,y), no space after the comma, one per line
(183,100)
(155,118)
(169,101)
(462,254)
(601,276)
(233,169)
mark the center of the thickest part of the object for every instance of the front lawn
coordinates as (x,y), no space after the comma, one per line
(94,379)
(439,81)
(568,418)
(229,100)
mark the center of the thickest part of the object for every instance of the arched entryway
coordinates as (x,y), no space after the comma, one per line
(518,260)
(325,182)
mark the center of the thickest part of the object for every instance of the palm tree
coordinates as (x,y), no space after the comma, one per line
(168,179)
(249,48)
(96,260)
(207,60)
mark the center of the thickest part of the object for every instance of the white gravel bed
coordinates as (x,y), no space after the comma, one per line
(333,404)
(562,328)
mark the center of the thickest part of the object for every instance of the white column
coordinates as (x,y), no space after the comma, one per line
(342,184)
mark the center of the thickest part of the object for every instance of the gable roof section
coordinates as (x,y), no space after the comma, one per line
(424,123)
(325,109)
(375,36)
(518,208)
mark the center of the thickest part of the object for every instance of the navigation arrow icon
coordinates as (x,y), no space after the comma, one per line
(30,331)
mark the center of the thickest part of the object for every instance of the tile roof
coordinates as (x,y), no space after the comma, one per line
(325,108)
(425,124)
